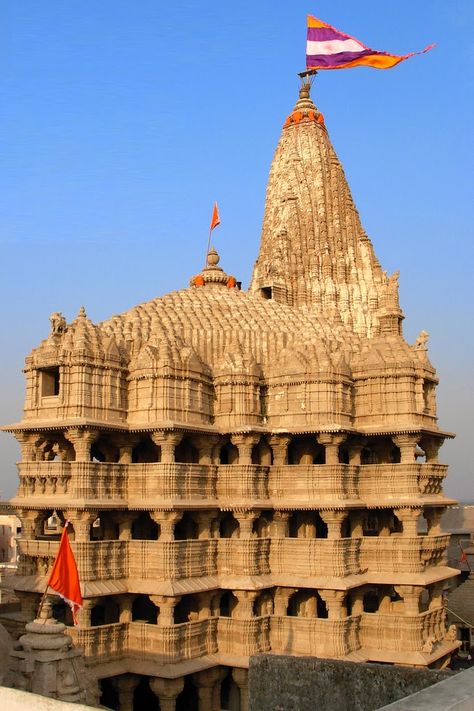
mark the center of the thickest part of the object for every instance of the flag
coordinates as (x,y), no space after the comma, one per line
(463,557)
(328,48)
(216,220)
(64,578)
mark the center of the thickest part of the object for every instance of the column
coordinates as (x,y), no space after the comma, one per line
(244,608)
(280,524)
(331,443)
(282,596)
(82,440)
(125,603)
(82,522)
(279,444)
(354,449)
(357,598)
(407,445)
(30,523)
(85,613)
(28,444)
(245,443)
(167,690)
(433,517)
(431,447)
(335,603)
(125,520)
(166,605)
(126,685)
(436,595)
(166,521)
(206,682)
(167,442)
(240,676)
(409,518)
(125,446)
(246,520)
(333,520)
(356,522)
(205,445)
(411,598)
(204,602)
(204,520)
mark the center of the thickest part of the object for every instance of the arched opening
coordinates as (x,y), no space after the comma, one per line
(144,610)
(106,612)
(305,450)
(104,451)
(371,601)
(146,452)
(51,525)
(143,696)
(229,454)
(186,452)
(262,525)
(227,604)
(188,700)
(144,528)
(263,605)
(187,610)
(262,453)
(186,528)
(108,694)
(230,694)
(307,524)
(229,526)
(380,450)
(307,603)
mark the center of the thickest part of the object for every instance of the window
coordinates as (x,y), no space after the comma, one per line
(266,292)
(49,382)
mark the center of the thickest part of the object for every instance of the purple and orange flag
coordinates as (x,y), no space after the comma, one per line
(328,48)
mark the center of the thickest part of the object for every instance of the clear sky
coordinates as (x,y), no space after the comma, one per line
(122,122)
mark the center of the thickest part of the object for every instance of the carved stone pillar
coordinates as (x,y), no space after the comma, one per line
(335,603)
(334,521)
(167,690)
(204,520)
(82,522)
(125,603)
(126,685)
(206,681)
(166,605)
(411,598)
(409,518)
(28,444)
(431,447)
(204,602)
(125,520)
(280,524)
(31,523)
(357,597)
(246,520)
(354,449)
(240,676)
(82,441)
(356,521)
(166,520)
(282,596)
(436,595)
(85,613)
(331,444)
(433,517)
(125,446)
(167,442)
(279,444)
(244,607)
(244,443)
(205,444)
(407,446)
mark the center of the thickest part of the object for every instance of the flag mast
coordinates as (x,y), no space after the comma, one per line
(215,220)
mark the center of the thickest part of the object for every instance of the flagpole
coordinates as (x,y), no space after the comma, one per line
(208,247)
(43,599)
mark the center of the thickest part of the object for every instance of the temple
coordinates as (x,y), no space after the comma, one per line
(243,472)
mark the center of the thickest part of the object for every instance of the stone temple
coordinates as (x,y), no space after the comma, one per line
(244,471)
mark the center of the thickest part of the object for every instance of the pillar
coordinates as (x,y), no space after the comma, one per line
(244,608)
(282,596)
(436,595)
(82,522)
(433,517)
(166,521)
(357,598)
(125,446)
(85,613)
(206,445)
(125,520)
(204,520)
(31,521)
(125,603)
(356,521)
(28,444)
(335,603)
(82,441)
(204,602)
(246,520)
(280,524)
(245,443)
(331,443)
(240,676)
(411,598)
(279,444)
(126,685)
(205,681)
(167,690)
(166,605)
(409,518)
(407,446)
(431,447)
(167,442)
(354,449)
(334,520)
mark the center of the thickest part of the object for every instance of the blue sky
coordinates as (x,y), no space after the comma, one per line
(123,121)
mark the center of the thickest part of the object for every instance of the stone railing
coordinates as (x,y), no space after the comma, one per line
(309,557)
(176,643)
(400,554)
(243,637)
(171,560)
(314,636)
(235,483)
(102,643)
(401,633)
(243,557)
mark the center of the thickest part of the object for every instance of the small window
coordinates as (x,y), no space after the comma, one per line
(266,292)
(49,382)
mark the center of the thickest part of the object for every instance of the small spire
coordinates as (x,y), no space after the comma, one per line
(82,313)
(213,258)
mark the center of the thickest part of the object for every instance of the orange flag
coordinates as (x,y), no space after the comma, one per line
(216,220)
(64,578)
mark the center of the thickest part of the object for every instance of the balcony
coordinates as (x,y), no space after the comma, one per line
(402,633)
(172,481)
(313,482)
(243,637)
(173,644)
(243,556)
(313,557)
(72,481)
(397,554)
(102,643)
(172,560)
(315,637)
(400,481)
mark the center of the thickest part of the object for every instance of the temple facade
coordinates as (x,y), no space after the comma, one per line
(243,472)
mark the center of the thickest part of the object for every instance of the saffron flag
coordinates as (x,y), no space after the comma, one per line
(216,220)
(328,48)
(64,578)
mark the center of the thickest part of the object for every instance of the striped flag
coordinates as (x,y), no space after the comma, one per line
(328,48)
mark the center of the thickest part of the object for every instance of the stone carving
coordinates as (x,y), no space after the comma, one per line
(58,323)
(421,341)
